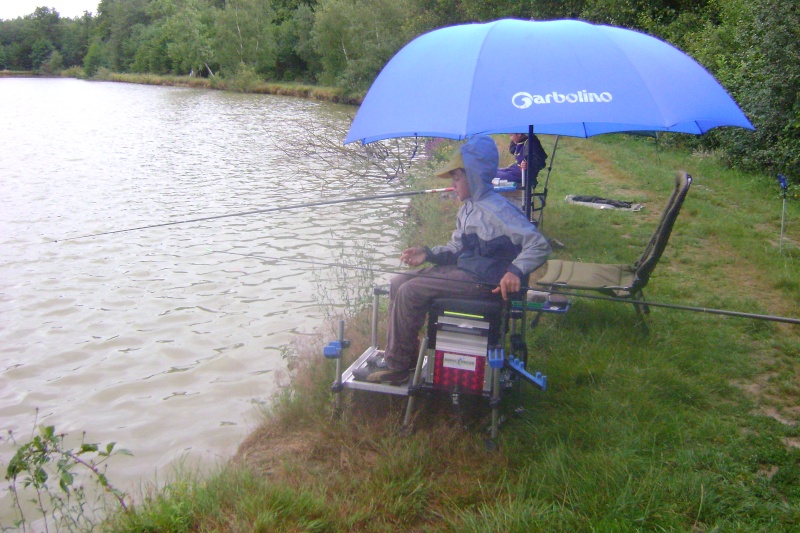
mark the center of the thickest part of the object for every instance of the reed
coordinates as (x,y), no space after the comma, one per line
(240,83)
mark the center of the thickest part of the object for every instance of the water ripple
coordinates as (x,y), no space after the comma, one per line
(155,339)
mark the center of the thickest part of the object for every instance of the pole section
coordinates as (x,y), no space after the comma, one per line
(266,210)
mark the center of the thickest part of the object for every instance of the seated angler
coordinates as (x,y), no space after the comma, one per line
(518,147)
(493,248)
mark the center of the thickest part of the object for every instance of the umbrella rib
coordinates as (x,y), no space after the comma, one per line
(492,27)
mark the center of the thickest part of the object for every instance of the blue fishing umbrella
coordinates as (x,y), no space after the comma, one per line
(562,77)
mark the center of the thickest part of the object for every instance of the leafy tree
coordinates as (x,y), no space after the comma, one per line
(45,24)
(40,52)
(653,16)
(116,21)
(296,57)
(54,63)
(14,43)
(479,10)
(285,9)
(28,41)
(193,49)
(95,58)
(18,38)
(355,39)
(75,36)
(150,43)
(756,55)
(19,56)
(245,34)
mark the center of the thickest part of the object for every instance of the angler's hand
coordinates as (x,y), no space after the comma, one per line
(510,284)
(413,256)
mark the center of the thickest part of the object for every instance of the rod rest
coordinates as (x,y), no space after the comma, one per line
(518,366)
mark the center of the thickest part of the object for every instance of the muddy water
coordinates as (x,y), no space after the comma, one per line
(155,339)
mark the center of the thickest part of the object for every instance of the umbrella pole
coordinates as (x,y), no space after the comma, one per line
(529,191)
(783,219)
(550,166)
(527,182)
(782,181)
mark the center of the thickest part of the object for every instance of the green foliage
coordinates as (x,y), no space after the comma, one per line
(151,49)
(27,42)
(46,468)
(763,73)
(54,63)
(191,49)
(355,39)
(75,36)
(296,57)
(40,52)
(74,72)
(245,35)
(244,79)
(44,24)
(116,24)
(95,58)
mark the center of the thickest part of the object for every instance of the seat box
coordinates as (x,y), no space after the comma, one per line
(460,354)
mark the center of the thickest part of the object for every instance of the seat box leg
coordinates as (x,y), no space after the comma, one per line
(413,390)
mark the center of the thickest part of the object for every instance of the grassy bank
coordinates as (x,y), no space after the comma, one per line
(249,84)
(693,427)
(17,74)
(245,82)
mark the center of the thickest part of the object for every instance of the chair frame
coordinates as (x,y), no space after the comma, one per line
(639,272)
(507,354)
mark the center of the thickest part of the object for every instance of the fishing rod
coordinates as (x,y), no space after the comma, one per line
(739,314)
(265,210)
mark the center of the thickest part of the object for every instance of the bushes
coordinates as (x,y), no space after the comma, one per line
(94,59)
(765,75)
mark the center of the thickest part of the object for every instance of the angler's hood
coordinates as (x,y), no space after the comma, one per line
(480,163)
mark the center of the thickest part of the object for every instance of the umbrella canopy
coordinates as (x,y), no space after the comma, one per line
(562,77)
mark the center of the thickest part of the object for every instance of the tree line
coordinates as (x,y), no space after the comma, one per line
(751,46)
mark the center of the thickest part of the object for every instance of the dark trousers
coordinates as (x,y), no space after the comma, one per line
(411,294)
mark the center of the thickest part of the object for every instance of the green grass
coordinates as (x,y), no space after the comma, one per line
(690,428)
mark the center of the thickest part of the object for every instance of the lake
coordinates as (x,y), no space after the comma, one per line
(157,339)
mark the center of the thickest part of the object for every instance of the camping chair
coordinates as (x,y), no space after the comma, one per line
(621,281)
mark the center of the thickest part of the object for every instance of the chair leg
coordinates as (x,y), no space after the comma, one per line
(413,390)
(641,308)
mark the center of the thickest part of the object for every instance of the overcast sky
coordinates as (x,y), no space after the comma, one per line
(10,9)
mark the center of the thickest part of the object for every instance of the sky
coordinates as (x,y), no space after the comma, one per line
(10,9)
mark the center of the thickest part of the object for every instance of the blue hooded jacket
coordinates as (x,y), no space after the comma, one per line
(492,236)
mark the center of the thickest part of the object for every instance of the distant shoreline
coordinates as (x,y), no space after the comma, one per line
(330,94)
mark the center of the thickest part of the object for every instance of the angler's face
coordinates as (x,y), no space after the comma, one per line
(460,184)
